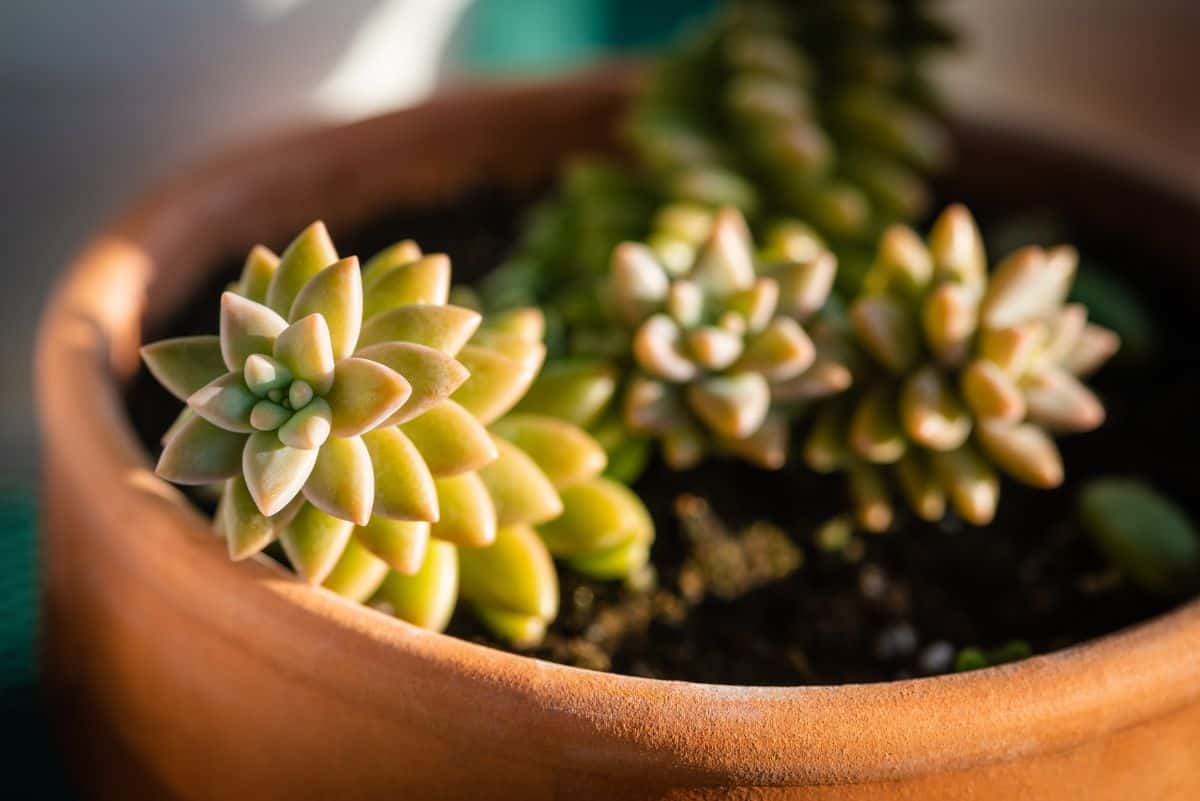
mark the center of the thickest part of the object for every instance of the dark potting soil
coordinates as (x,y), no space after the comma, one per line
(751,590)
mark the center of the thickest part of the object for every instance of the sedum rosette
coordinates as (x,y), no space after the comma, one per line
(713,340)
(961,373)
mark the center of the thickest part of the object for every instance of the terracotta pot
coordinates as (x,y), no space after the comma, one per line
(178,674)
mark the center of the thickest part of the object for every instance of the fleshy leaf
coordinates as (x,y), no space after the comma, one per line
(404,488)
(780,351)
(306,349)
(262,374)
(660,350)
(564,452)
(529,353)
(521,492)
(432,375)
(875,432)
(575,390)
(336,294)
(257,273)
(426,280)
(515,628)
(402,544)
(610,564)
(364,394)
(275,473)
(1024,451)
(450,440)
(597,514)
(494,385)
(639,283)
(515,573)
(309,427)
(443,328)
(308,254)
(468,517)
(358,574)
(384,261)
(426,599)
(725,265)
(200,453)
(185,364)
(733,406)
(226,403)
(886,329)
(525,322)
(245,528)
(342,482)
(970,483)
(314,541)
(246,328)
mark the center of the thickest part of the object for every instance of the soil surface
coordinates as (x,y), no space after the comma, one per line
(751,590)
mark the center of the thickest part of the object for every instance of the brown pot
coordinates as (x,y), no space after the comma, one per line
(179,674)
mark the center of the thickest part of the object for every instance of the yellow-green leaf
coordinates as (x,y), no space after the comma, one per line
(432,375)
(200,453)
(342,482)
(275,473)
(428,597)
(450,440)
(468,517)
(521,492)
(564,452)
(336,294)
(404,488)
(443,328)
(357,574)
(184,364)
(364,394)
(402,544)
(246,328)
(308,254)
(314,541)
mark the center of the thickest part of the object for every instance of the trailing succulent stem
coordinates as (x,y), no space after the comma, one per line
(362,421)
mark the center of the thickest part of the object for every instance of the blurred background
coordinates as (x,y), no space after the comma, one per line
(100,100)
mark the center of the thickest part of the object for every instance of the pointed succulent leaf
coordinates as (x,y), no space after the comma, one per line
(521,492)
(931,414)
(515,573)
(525,322)
(342,482)
(869,495)
(1012,349)
(184,415)
(804,287)
(246,529)
(659,349)
(247,328)
(650,406)
(308,428)
(597,514)
(426,280)
(685,303)
(992,393)
(257,273)
(275,473)
(450,440)
(1024,451)
(1056,399)
(970,483)
(364,394)
(225,402)
(639,283)
(1096,346)
(824,378)
(575,390)
(336,294)
(782,350)
(904,260)
(1063,331)
(713,348)
(885,328)
(1028,285)
(306,349)
(443,328)
(733,406)
(308,254)
(725,263)
(957,248)
(876,433)
(404,488)
(401,544)
(426,598)
(564,452)
(920,486)
(383,262)
(201,453)
(610,564)
(185,364)
(517,629)
(767,447)
(468,517)
(358,574)
(494,385)
(433,375)
(949,318)
(314,541)
(262,374)
(529,353)
(268,416)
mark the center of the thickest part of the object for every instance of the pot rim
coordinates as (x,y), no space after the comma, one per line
(617,724)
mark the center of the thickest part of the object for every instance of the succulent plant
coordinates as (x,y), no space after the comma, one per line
(819,110)
(959,373)
(715,345)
